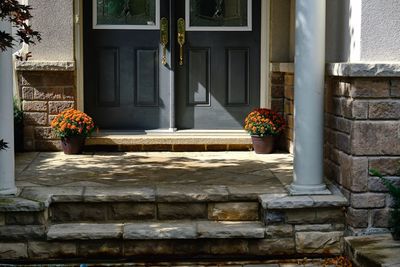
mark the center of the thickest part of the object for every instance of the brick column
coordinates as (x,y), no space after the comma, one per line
(7,162)
(362,132)
(44,94)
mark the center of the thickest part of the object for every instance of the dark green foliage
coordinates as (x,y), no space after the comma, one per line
(18,126)
(17,14)
(3,145)
(18,114)
(394,191)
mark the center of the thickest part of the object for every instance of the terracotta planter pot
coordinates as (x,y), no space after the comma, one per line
(73,145)
(263,145)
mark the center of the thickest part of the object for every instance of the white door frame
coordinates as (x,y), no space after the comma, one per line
(265,90)
(78,52)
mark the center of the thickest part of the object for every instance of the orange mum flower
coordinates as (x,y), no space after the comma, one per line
(72,122)
(263,122)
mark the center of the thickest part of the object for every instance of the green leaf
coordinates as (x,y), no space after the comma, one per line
(393,190)
(3,145)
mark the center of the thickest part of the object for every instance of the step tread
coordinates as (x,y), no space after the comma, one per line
(229,229)
(160,230)
(84,231)
(17,204)
(157,230)
(159,193)
(194,138)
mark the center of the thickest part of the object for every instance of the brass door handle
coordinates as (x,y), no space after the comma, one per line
(181,38)
(164,38)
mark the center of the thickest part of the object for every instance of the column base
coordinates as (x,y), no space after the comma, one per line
(299,190)
(8,192)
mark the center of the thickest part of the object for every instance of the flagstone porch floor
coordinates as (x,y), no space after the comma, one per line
(243,171)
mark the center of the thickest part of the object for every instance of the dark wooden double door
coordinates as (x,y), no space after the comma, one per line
(127,86)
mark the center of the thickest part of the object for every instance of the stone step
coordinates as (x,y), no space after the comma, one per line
(170,141)
(154,230)
(373,250)
(282,208)
(126,204)
(165,193)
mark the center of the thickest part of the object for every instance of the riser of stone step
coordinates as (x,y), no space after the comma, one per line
(134,211)
(149,230)
(157,250)
(24,218)
(178,142)
(168,148)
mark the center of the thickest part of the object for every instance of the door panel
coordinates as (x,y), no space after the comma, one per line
(231,78)
(238,72)
(108,77)
(198,77)
(122,65)
(146,78)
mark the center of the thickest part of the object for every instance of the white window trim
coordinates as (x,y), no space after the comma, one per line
(247,28)
(156,26)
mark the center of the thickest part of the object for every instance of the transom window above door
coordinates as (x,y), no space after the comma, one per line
(218,15)
(126,14)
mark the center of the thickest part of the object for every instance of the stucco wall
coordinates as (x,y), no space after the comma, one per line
(363,30)
(54,20)
(356,30)
(338,30)
(380,30)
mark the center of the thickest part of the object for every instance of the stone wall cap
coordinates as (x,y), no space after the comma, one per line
(45,65)
(364,69)
(268,201)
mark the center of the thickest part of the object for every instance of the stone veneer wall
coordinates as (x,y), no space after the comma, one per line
(282,92)
(362,132)
(45,90)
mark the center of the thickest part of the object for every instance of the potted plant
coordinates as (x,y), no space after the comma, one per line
(394,191)
(73,126)
(264,125)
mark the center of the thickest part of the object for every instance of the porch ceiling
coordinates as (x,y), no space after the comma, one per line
(238,171)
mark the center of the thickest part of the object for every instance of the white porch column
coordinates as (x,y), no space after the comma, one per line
(309,97)
(7,161)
